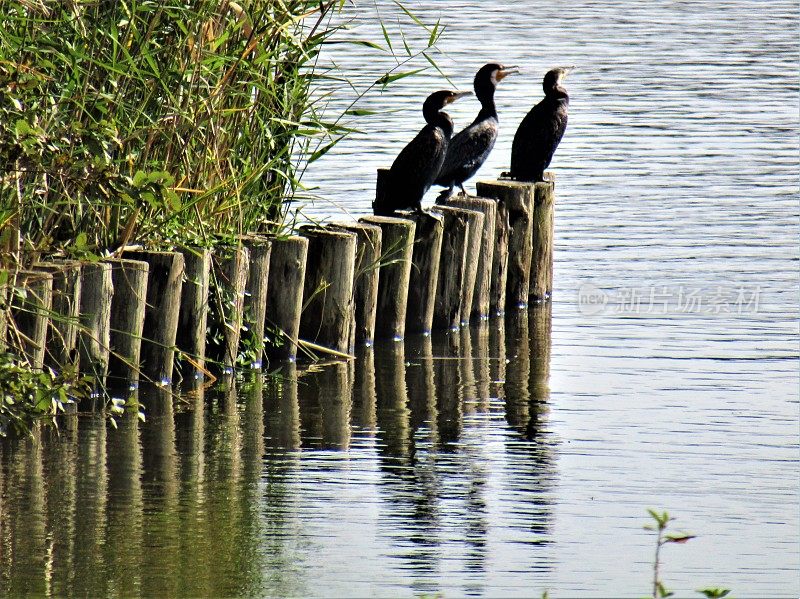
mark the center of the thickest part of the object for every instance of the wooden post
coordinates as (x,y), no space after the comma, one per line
(518,200)
(128,304)
(62,334)
(365,284)
(94,337)
(164,282)
(190,338)
(230,269)
(328,290)
(287,270)
(255,299)
(542,262)
(31,315)
(397,248)
(429,231)
(472,251)
(483,281)
(452,268)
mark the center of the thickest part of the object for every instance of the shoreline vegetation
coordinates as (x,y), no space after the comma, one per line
(127,123)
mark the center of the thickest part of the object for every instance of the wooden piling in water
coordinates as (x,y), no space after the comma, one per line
(128,305)
(541,284)
(285,295)
(472,252)
(62,334)
(31,314)
(397,248)
(365,283)
(164,283)
(452,267)
(328,289)
(255,299)
(483,281)
(94,336)
(230,268)
(190,338)
(428,235)
(518,199)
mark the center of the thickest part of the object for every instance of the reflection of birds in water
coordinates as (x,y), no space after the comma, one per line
(541,130)
(417,165)
(470,148)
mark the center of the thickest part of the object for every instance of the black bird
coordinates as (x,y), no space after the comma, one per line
(416,167)
(541,130)
(470,148)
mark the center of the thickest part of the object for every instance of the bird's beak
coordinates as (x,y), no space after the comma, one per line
(505,72)
(457,96)
(566,71)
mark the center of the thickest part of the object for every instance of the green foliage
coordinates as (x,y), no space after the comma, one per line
(27,395)
(662,520)
(160,123)
(714,593)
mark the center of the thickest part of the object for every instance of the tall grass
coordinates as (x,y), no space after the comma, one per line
(126,120)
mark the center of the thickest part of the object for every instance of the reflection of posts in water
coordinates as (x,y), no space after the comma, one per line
(253,429)
(90,518)
(518,368)
(160,477)
(526,398)
(23,556)
(189,437)
(159,462)
(448,393)
(325,398)
(466,374)
(497,367)
(61,500)
(540,318)
(421,387)
(482,359)
(392,409)
(364,416)
(124,548)
(282,411)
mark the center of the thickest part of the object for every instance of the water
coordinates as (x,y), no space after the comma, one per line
(666,376)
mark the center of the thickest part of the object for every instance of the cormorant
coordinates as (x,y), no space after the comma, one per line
(541,130)
(470,148)
(416,167)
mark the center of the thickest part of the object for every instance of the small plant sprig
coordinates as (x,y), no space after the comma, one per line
(662,520)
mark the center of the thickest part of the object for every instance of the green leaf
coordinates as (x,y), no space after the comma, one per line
(22,128)
(139,179)
(80,241)
(322,151)
(714,593)
(432,38)
(663,591)
(391,77)
(411,15)
(360,112)
(386,37)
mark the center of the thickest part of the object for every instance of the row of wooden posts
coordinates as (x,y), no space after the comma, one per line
(327,288)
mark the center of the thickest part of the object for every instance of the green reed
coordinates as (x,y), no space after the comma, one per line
(137,121)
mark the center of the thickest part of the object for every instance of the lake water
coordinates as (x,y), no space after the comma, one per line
(519,456)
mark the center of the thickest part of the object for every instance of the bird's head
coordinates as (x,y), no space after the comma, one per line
(489,75)
(554,77)
(438,100)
